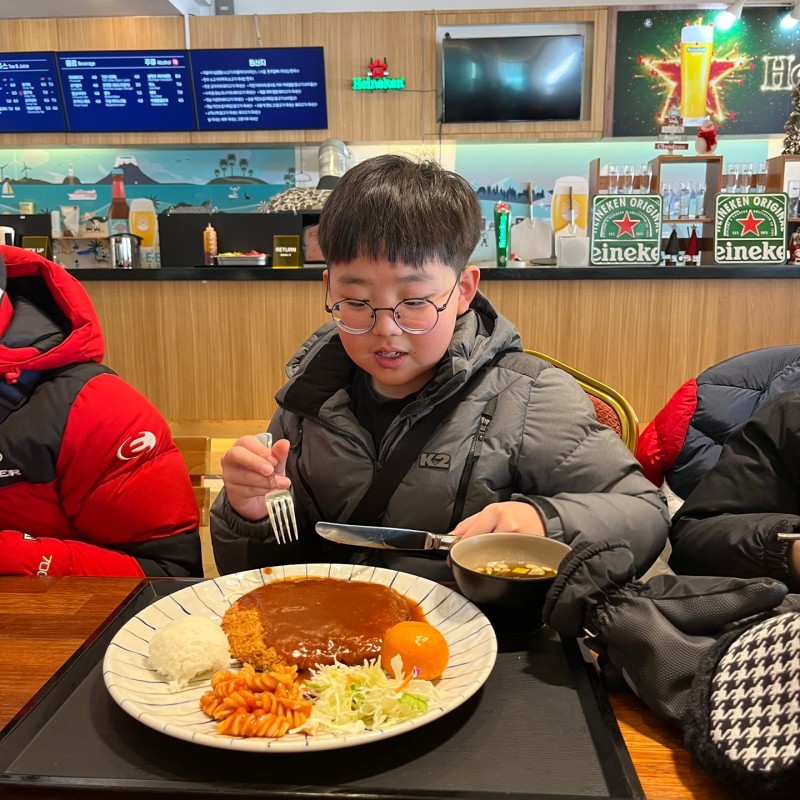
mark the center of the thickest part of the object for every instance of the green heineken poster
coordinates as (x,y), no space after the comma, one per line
(626,229)
(741,77)
(750,229)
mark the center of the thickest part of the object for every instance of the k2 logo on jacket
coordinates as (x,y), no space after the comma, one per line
(434,460)
(135,446)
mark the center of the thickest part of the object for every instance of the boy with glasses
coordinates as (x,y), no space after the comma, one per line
(518,447)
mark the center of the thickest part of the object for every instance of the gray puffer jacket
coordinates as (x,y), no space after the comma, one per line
(526,432)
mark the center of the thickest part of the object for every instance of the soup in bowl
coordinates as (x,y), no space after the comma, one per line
(507,575)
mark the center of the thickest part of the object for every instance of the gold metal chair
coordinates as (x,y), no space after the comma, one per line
(610,407)
(196,452)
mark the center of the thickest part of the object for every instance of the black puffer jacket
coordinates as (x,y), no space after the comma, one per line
(729,524)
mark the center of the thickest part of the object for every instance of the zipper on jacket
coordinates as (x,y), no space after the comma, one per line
(469,464)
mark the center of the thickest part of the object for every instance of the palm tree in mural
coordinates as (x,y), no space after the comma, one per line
(289,177)
(155,201)
(249,173)
(231,162)
(216,173)
(243,164)
(223,165)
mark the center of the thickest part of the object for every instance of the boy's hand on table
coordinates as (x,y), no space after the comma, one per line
(508,517)
(250,470)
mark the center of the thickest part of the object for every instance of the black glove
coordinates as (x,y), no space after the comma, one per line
(654,634)
(718,656)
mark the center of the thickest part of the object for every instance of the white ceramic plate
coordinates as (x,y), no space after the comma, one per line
(145,695)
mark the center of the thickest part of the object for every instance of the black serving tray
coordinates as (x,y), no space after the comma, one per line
(540,727)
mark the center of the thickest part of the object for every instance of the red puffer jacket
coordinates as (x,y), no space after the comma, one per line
(91,482)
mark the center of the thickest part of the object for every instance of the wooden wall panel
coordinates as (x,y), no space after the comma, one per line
(216,351)
(206,351)
(279,30)
(120,33)
(350,42)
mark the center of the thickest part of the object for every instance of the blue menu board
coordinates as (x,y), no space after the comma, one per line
(269,88)
(30,101)
(126,90)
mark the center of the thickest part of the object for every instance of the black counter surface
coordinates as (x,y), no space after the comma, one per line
(632,272)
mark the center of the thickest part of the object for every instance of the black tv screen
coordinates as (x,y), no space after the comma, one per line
(268,88)
(512,79)
(127,90)
(30,100)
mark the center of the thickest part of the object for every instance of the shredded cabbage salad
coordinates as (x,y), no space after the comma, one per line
(350,700)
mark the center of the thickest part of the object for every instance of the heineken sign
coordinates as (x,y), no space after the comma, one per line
(750,228)
(377,78)
(626,229)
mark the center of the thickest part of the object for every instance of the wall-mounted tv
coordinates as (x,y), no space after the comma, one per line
(512,78)
(127,90)
(30,100)
(268,88)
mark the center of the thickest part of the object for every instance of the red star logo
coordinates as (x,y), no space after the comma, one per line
(750,224)
(378,69)
(625,225)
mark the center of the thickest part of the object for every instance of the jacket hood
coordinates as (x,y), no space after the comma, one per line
(46,317)
(480,334)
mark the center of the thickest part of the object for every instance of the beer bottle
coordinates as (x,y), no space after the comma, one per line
(119,210)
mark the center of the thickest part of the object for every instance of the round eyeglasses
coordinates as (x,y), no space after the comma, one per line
(415,315)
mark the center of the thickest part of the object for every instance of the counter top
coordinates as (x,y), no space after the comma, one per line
(632,272)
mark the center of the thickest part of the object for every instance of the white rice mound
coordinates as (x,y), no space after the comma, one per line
(188,647)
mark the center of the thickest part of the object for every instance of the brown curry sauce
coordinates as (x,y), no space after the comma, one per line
(311,621)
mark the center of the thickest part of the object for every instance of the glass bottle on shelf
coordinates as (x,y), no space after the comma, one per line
(761,177)
(700,200)
(685,197)
(118,210)
(675,202)
(646,172)
(628,173)
(613,179)
(745,177)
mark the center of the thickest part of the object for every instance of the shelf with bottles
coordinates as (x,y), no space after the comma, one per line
(783,175)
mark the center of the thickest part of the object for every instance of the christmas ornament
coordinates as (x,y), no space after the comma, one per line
(692,248)
(706,141)
(794,248)
(672,249)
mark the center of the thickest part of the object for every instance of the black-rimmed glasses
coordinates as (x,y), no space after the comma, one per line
(415,315)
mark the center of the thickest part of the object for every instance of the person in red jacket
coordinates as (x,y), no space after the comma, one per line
(91,482)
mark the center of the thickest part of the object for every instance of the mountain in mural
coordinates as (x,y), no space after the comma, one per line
(131,173)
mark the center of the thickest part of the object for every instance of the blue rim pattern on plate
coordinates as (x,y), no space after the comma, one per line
(145,695)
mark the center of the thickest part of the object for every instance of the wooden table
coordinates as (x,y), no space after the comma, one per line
(44,620)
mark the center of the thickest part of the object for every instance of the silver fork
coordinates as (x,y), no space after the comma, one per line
(280,506)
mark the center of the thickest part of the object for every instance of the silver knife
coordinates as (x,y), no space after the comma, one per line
(384,538)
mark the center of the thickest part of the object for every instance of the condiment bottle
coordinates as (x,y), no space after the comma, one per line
(119,210)
(210,244)
(502,233)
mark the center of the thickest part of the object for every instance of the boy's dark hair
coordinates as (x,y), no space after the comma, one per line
(403,211)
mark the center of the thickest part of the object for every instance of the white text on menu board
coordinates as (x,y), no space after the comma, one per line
(31,95)
(109,88)
(240,95)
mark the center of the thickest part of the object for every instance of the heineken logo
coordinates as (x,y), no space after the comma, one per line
(750,228)
(377,78)
(626,229)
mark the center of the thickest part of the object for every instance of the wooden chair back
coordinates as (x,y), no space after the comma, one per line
(196,452)
(610,407)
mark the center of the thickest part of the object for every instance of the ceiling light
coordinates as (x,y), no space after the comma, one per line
(792,18)
(725,19)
